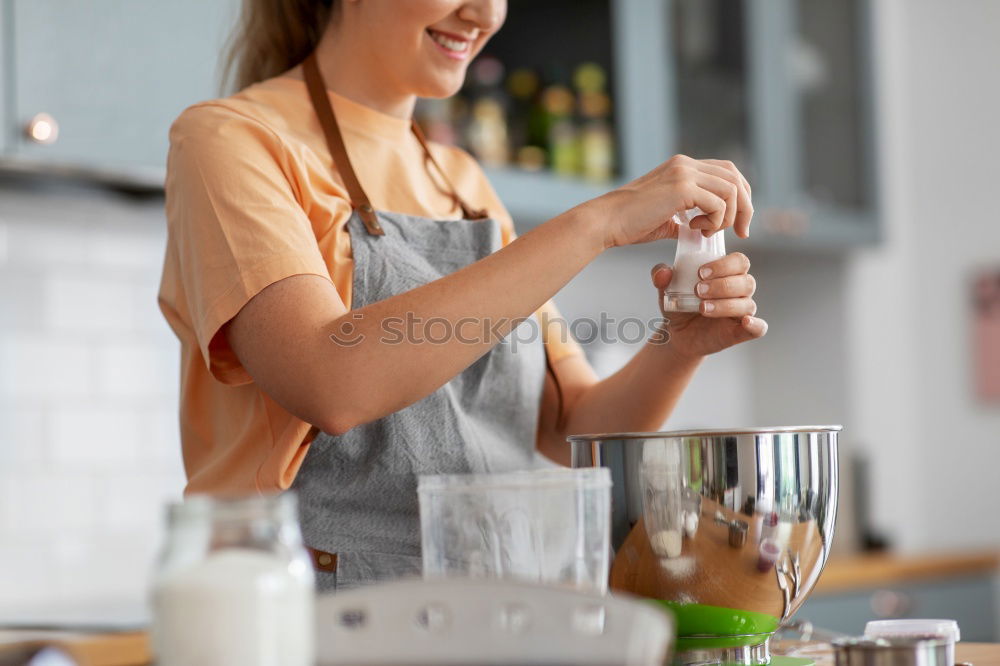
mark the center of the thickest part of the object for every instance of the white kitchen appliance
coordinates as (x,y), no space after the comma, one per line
(478,622)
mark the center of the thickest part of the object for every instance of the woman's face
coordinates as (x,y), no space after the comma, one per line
(423,47)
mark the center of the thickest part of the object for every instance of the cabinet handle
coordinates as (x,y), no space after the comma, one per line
(42,128)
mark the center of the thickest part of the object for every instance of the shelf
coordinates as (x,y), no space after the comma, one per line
(533,197)
(866,571)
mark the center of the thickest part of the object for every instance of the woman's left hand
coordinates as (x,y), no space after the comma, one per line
(727,308)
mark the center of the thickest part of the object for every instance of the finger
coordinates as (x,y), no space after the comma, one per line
(661,274)
(729,166)
(744,212)
(735,263)
(728,307)
(726,190)
(732,168)
(732,286)
(712,205)
(755,326)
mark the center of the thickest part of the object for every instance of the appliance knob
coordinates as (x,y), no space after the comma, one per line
(42,129)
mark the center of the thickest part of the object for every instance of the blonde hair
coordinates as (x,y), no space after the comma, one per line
(271,37)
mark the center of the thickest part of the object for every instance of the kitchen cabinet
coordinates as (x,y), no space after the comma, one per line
(970,600)
(956,586)
(112,74)
(780,87)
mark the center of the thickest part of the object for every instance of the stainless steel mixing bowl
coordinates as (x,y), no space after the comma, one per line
(728,528)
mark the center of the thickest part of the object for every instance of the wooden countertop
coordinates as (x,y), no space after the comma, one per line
(979,654)
(864,571)
(118,649)
(132,649)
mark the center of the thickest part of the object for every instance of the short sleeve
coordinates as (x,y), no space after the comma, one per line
(235,224)
(556,333)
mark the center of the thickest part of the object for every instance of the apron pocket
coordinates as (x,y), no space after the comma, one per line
(357,568)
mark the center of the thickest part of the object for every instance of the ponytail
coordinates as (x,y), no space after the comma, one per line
(271,37)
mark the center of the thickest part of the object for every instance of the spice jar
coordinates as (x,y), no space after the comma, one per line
(694,250)
(234,585)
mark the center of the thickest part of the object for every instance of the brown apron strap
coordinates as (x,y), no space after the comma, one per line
(468,212)
(322,560)
(335,142)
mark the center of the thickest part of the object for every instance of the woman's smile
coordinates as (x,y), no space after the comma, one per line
(454,46)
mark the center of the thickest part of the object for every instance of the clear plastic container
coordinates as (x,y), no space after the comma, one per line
(694,250)
(547,526)
(945,630)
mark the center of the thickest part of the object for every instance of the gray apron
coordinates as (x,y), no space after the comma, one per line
(358,491)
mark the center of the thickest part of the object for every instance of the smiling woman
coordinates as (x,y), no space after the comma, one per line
(307,209)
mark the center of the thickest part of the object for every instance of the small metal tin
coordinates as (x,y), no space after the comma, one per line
(901,651)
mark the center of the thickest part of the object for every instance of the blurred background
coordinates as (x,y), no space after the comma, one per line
(866,127)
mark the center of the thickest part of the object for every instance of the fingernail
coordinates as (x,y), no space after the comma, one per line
(702,289)
(705,273)
(709,306)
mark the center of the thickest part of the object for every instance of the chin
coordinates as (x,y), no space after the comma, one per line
(440,89)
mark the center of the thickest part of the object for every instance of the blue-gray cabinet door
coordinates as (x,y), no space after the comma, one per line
(112,73)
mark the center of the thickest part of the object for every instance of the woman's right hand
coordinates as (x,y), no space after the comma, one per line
(640,211)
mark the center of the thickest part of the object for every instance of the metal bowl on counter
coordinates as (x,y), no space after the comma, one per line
(729,529)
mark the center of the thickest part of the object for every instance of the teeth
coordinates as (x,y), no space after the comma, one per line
(448,43)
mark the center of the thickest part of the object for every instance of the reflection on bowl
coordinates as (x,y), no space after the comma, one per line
(728,528)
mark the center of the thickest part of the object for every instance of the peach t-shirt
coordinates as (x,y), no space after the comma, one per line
(252,197)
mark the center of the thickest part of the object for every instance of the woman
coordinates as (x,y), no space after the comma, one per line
(309,224)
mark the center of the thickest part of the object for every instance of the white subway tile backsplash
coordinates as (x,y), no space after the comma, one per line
(26,574)
(135,369)
(3,243)
(161,442)
(21,299)
(94,437)
(136,501)
(44,367)
(76,573)
(35,243)
(139,249)
(22,437)
(83,304)
(46,502)
(149,320)
(89,441)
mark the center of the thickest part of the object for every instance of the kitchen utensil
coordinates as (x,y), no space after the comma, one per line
(945,630)
(549,526)
(475,622)
(897,651)
(693,251)
(729,593)
(234,585)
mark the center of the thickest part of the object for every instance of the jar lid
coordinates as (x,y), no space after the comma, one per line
(945,629)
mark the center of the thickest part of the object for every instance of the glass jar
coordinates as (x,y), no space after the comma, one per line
(234,585)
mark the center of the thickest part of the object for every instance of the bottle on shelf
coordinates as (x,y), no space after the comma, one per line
(486,133)
(597,147)
(558,103)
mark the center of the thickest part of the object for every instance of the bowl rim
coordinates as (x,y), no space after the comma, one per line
(706,432)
